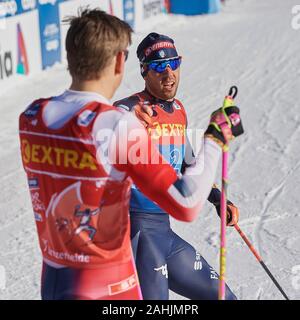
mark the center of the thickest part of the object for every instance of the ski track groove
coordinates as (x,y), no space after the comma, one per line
(268,201)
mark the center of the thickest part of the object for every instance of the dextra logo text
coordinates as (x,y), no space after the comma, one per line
(158,46)
(58,157)
(166,130)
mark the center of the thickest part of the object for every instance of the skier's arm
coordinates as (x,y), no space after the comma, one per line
(214,196)
(144,113)
(189,159)
(182,197)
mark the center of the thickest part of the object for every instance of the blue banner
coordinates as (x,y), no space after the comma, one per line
(49,32)
(128,8)
(11,8)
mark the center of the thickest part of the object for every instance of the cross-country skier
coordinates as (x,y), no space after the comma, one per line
(80,154)
(164,260)
(86,216)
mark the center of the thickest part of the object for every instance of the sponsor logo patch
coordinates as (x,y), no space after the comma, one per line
(176,106)
(38,217)
(85,118)
(32,110)
(33,183)
(125,285)
(163,269)
(162,53)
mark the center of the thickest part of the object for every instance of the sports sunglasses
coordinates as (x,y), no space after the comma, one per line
(161,65)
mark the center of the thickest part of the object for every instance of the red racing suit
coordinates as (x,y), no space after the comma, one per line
(80,188)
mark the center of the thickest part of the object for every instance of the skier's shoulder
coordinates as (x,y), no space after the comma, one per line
(128,103)
(36,103)
(116,118)
(33,108)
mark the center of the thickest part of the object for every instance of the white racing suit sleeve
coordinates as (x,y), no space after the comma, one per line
(182,197)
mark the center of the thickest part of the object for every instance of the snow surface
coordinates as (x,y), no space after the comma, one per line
(250,44)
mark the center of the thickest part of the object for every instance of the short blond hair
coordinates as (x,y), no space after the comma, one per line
(93,39)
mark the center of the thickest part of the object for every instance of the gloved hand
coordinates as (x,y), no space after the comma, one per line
(144,113)
(225,124)
(232,213)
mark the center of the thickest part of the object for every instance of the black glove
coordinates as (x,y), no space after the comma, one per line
(232,211)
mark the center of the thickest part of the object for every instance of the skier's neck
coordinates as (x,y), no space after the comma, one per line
(94,86)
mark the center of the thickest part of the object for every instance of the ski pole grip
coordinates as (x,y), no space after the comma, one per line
(233,91)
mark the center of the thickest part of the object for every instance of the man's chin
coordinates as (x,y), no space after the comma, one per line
(168,94)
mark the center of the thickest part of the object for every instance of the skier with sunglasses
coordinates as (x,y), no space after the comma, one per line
(164,260)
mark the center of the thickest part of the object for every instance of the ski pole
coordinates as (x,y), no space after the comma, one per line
(258,257)
(228,101)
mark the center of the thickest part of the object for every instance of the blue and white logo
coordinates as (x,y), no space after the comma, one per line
(28,4)
(32,110)
(51,30)
(161,53)
(52,45)
(38,217)
(33,183)
(85,118)
(8,8)
(176,106)
(128,9)
(44,2)
(175,157)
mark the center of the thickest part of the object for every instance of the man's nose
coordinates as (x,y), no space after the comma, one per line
(168,70)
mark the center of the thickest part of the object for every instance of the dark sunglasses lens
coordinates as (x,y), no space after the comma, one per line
(162,66)
(174,64)
(154,66)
